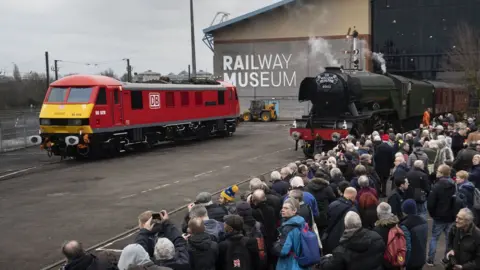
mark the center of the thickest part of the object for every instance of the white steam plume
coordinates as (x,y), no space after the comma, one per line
(378,57)
(321,53)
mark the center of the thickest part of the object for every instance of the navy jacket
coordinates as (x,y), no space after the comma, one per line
(418,228)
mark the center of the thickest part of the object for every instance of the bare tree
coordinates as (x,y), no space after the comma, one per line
(109,73)
(464,55)
(124,77)
(16,73)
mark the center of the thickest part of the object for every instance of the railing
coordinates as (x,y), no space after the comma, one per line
(16,126)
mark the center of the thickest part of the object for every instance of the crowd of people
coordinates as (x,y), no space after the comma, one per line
(331,212)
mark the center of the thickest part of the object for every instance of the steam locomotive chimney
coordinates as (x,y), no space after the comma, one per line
(355,49)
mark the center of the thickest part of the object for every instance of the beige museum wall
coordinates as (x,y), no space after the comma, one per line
(311,18)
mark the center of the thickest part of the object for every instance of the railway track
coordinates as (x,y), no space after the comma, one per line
(108,242)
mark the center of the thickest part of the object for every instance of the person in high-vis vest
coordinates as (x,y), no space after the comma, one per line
(426,117)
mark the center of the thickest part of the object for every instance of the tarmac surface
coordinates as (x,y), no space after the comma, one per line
(94,201)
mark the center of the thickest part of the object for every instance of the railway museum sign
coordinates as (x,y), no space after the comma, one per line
(259,70)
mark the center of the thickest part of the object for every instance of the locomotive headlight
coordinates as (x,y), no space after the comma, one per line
(75,122)
(45,122)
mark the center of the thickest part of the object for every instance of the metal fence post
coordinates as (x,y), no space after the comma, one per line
(1,139)
(25,130)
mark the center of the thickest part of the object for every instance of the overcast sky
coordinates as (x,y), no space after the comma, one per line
(154,34)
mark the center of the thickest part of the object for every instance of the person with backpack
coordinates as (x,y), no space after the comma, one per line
(395,236)
(359,248)
(237,252)
(467,191)
(297,247)
(254,229)
(418,228)
(442,205)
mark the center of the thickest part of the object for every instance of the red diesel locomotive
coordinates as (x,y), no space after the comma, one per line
(89,115)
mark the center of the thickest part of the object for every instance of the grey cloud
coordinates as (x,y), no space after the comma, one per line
(154,34)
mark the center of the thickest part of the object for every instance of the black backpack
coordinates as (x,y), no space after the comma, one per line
(238,255)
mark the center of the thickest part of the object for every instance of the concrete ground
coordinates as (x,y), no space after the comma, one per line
(94,201)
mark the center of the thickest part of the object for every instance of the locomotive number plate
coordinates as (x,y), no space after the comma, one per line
(154,100)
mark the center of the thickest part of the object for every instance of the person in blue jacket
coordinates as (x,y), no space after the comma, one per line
(288,243)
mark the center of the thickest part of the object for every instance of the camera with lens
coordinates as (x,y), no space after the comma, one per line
(449,262)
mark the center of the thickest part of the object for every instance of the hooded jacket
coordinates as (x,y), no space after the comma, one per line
(467,191)
(439,203)
(132,255)
(288,242)
(203,252)
(382,227)
(474,175)
(417,154)
(361,250)
(323,193)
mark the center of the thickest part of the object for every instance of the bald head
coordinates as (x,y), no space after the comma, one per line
(258,196)
(419,164)
(196,225)
(72,250)
(350,193)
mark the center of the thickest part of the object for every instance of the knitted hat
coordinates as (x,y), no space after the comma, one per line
(409,207)
(234,221)
(244,209)
(229,193)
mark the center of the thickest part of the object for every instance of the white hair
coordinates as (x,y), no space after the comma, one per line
(332,160)
(274,176)
(255,183)
(285,171)
(352,221)
(335,172)
(164,249)
(398,154)
(468,213)
(363,181)
(293,167)
(425,133)
(377,138)
(419,164)
(400,158)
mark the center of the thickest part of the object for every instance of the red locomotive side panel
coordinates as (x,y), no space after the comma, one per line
(325,134)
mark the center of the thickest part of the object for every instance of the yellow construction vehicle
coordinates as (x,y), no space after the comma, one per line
(260,111)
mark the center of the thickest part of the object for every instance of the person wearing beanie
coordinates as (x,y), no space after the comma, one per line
(227,199)
(418,228)
(236,240)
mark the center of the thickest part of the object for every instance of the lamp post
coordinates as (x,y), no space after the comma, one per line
(192,36)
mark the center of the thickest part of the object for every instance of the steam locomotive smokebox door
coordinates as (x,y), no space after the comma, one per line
(331,96)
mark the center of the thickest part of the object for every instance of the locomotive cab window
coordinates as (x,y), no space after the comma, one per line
(221,97)
(137,100)
(116,96)
(57,94)
(79,94)
(101,96)
(170,98)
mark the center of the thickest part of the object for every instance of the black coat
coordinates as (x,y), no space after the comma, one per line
(336,218)
(368,216)
(216,211)
(323,193)
(265,214)
(281,187)
(418,228)
(466,247)
(225,262)
(384,158)
(400,172)
(418,183)
(474,176)
(88,261)
(203,252)
(457,143)
(395,201)
(275,201)
(363,250)
(439,203)
(463,161)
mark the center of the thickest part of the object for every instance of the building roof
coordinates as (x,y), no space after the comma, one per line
(247,16)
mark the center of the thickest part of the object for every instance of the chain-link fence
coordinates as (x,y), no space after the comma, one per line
(16,127)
